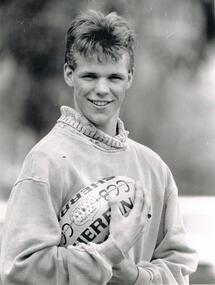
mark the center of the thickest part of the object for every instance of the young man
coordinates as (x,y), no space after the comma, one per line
(87,144)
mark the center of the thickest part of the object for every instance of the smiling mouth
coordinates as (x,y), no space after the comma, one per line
(100,103)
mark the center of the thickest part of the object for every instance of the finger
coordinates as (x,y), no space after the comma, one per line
(147,212)
(115,210)
(139,199)
(142,202)
(147,203)
(147,208)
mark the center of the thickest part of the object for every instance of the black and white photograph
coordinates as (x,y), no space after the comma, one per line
(107,142)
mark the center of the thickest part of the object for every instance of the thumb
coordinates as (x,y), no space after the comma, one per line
(114,206)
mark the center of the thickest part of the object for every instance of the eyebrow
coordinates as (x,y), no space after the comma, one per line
(88,73)
(96,74)
(121,75)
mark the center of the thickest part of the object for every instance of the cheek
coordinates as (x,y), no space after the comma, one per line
(121,87)
(83,88)
(120,92)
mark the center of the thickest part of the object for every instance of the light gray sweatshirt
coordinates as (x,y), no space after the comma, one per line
(73,155)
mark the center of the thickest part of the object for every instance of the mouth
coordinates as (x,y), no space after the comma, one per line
(100,103)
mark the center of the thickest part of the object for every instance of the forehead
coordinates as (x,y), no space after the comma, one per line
(97,63)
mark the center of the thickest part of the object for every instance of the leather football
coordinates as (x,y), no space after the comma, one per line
(86,216)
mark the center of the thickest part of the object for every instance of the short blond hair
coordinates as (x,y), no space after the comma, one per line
(92,33)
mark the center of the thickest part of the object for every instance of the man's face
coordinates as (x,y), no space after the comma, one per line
(99,89)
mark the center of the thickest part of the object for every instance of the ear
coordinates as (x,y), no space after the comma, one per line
(68,75)
(130,78)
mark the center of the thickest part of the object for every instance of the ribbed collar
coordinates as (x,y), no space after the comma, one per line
(79,123)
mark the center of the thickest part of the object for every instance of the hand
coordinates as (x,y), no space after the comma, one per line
(124,273)
(125,230)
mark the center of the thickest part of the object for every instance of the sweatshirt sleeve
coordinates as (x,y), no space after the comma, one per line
(174,259)
(30,253)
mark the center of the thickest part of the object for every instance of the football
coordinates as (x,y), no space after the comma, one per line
(86,216)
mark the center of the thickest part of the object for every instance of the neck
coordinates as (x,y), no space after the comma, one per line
(111,130)
(110,127)
(114,137)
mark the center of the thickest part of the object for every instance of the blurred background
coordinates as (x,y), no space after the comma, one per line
(169,108)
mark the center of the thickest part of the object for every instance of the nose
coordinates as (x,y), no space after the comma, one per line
(102,87)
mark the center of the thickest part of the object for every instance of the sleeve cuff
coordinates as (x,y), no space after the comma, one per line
(144,277)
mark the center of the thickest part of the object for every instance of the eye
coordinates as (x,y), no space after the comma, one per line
(116,77)
(89,76)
